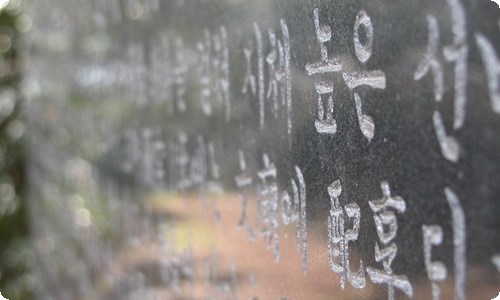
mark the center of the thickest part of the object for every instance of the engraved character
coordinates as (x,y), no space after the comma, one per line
(275,75)
(436,271)
(374,79)
(220,71)
(224,73)
(277,60)
(387,227)
(182,161)
(198,164)
(433,236)
(206,73)
(295,212)
(249,81)
(430,62)
(324,123)
(448,145)
(459,242)
(214,185)
(243,182)
(279,89)
(456,53)
(214,72)
(339,237)
(286,83)
(268,205)
(180,75)
(152,154)
(492,65)
(260,74)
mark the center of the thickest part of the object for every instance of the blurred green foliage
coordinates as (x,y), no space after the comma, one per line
(16,256)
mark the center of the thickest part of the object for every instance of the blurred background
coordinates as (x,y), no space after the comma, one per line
(16,255)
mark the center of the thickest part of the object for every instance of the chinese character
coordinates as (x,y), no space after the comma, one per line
(268,205)
(339,237)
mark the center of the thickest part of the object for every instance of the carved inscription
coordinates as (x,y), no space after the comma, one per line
(457,54)
(339,237)
(385,210)
(187,75)
(325,122)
